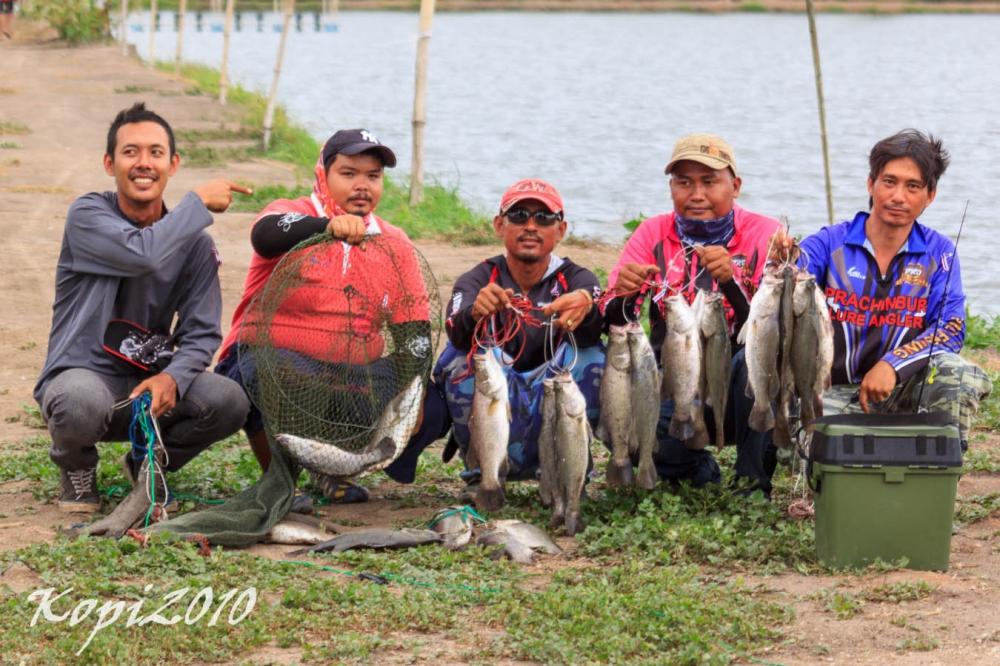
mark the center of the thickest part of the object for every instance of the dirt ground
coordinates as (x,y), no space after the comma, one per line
(66,98)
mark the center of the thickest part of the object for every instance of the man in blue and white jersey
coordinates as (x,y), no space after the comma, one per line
(894,290)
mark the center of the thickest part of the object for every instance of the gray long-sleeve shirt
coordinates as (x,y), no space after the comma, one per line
(109,268)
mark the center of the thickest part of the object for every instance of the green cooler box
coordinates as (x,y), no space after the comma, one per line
(884,487)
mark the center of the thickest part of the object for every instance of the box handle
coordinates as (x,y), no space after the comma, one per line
(894,475)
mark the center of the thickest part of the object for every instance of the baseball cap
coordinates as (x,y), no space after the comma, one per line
(354,142)
(532,188)
(708,149)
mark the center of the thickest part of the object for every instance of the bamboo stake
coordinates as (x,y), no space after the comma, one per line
(224,66)
(419,109)
(272,98)
(124,36)
(152,34)
(181,10)
(822,109)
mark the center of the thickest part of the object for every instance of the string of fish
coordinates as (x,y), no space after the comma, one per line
(488,334)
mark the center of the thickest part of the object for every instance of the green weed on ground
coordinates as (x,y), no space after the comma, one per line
(982,331)
(12,127)
(76,21)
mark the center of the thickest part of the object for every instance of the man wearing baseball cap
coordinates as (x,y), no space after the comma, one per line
(530,222)
(347,188)
(707,242)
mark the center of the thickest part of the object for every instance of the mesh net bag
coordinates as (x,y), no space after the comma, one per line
(336,351)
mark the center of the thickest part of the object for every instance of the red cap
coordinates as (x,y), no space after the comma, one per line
(532,188)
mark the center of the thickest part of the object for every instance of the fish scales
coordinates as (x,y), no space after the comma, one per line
(812,351)
(616,407)
(547,444)
(717,355)
(681,357)
(573,437)
(761,336)
(391,433)
(645,404)
(489,428)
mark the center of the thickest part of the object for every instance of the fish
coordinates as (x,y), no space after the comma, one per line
(812,349)
(572,437)
(133,509)
(455,524)
(530,535)
(294,533)
(376,538)
(489,429)
(761,336)
(782,435)
(681,357)
(547,444)
(717,353)
(511,546)
(391,433)
(644,398)
(616,407)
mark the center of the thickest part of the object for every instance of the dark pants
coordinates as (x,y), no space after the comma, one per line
(78,408)
(755,454)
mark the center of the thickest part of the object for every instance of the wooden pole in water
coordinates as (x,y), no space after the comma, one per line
(152,34)
(822,108)
(272,99)
(419,109)
(181,9)
(224,66)
(122,26)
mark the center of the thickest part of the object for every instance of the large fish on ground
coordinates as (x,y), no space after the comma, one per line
(489,428)
(644,398)
(616,407)
(509,544)
(812,349)
(290,532)
(761,336)
(573,437)
(681,358)
(455,525)
(530,535)
(717,353)
(375,538)
(392,432)
(547,444)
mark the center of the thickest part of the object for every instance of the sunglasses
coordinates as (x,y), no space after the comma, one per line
(543,218)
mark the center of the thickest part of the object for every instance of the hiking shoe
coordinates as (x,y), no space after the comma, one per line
(131,467)
(79,491)
(339,491)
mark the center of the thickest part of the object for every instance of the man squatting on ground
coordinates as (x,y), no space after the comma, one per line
(892,284)
(127,267)
(346,192)
(707,242)
(530,223)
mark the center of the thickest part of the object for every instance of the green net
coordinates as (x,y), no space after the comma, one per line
(336,351)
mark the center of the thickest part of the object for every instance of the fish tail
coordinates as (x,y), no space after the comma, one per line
(619,474)
(490,499)
(762,417)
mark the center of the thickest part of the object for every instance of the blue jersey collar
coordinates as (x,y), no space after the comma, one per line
(915,242)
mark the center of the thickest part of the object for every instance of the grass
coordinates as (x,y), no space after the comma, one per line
(982,332)
(12,127)
(9,145)
(133,89)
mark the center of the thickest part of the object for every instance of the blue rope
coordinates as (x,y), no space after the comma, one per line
(142,434)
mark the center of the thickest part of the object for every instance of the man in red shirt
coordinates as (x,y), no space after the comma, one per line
(344,295)
(706,242)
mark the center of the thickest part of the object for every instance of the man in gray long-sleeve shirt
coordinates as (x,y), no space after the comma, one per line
(127,268)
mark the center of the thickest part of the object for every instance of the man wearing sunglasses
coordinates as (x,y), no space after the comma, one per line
(706,242)
(530,223)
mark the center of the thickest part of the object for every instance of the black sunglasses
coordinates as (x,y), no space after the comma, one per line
(543,218)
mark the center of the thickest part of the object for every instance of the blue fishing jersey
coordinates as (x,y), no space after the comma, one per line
(892,317)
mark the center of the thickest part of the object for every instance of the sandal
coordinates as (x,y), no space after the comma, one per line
(337,490)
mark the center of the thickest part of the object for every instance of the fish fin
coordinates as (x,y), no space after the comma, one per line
(573,523)
(647,477)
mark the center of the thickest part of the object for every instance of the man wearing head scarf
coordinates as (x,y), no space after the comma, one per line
(707,242)
(331,316)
